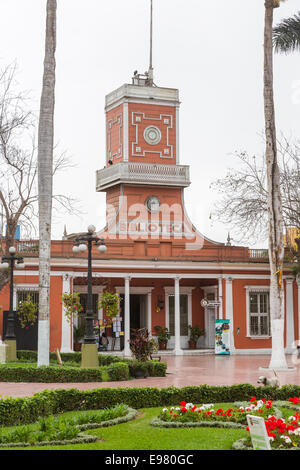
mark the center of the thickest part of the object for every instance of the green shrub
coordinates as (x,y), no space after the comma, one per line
(112,373)
(118,371)
(54,374)
(15,411)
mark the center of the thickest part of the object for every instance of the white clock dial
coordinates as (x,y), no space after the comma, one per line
(152,135)
(153,204)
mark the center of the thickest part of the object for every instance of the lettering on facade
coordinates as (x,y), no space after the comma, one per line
(153,228)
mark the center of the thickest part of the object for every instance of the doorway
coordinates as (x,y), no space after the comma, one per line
(138,311)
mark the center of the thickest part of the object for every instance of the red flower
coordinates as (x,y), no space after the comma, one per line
(253,399)
(294,400)
(183,403)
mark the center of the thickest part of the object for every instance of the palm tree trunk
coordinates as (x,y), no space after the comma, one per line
(45,171)
(276,246)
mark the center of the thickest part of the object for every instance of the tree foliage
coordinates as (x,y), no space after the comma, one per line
(286,35)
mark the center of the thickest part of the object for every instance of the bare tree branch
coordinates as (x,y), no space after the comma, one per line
(242,205)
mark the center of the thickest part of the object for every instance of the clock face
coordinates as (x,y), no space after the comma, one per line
(152,135)
(153,204)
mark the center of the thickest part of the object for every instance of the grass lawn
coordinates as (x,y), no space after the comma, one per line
(139,435)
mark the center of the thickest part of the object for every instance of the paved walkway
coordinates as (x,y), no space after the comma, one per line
(182,371)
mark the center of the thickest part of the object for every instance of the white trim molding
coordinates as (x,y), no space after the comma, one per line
(229,311)
(289,304)
(66,326)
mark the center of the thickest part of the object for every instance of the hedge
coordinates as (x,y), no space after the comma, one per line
(27,410)
(108,369)
(53,374)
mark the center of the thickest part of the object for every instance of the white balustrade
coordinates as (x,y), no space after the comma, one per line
(143,173)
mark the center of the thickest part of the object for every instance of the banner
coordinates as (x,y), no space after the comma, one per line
(222,344)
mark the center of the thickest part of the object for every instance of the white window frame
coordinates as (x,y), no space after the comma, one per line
(249,290)
(22,288)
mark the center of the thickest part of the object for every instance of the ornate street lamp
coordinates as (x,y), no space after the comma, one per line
(89,358)
(10,262)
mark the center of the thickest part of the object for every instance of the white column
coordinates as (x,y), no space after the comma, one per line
(290,330)
(190,308)
(100,310)
(125,131)
(177,136)
(177,349)
(149,313)
(220,297)
(127,351)
(66,327)
(167,322)
(229,311)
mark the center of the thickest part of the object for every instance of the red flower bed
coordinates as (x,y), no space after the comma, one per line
(188,412)
(284,433)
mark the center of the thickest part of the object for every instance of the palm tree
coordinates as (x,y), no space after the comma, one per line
(274,204)
(286,35)
(45,172)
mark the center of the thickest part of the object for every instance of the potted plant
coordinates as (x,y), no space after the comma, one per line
(163,336)
(72,305)
(78,333)
(27,313)
(141,347)
(110,302)
(195,333)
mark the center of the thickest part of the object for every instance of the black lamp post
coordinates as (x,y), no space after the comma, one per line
(82,243)
(10,262)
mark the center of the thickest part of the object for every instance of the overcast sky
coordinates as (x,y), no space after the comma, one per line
(212,51)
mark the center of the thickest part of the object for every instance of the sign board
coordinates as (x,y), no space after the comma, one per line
(258,433)
(222,341)
(210,303)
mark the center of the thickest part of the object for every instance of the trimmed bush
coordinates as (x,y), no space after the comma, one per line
(54,374)
(109,370)
(15,411)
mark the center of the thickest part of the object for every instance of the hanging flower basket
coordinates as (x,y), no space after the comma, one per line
(27,313)
(110,302)
(72,305)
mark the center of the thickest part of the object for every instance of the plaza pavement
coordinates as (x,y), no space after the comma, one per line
(182,371)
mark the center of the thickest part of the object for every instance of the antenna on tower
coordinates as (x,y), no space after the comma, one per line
(150,72)
(146,79)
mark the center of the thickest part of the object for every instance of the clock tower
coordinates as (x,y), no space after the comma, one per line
(143,170)
(143,178)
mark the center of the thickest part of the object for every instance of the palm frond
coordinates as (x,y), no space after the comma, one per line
(286,35)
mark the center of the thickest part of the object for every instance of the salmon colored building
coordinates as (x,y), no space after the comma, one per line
(166,271)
